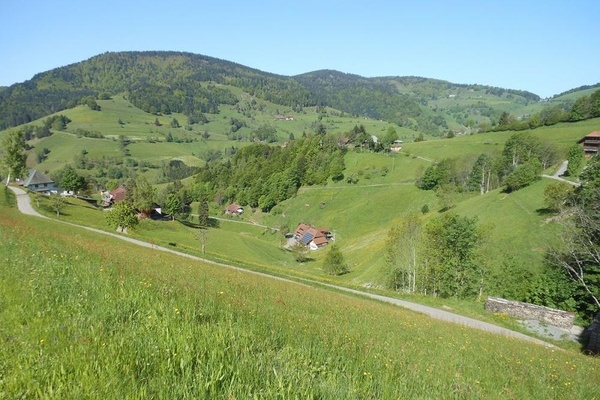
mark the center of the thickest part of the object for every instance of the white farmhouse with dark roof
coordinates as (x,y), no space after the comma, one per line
(38,182)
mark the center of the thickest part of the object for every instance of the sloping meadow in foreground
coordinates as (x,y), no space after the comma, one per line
(88,316)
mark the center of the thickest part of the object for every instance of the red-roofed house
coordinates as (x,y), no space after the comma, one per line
(234,209)
(315,238)
(590,143)
(118,194)
(114,196)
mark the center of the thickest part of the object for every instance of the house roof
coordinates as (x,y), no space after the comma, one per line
(36,178)
(118,194)
(320,241)
(595,134)
(305,234)
(301,229)
(233,208)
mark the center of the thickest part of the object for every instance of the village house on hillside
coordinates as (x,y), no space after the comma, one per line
(234,209)
(590,143)
(114,196)
(38,182)
(281,117)
(120,194)
(396,146)
(315,238)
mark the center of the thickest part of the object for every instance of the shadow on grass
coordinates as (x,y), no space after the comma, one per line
(304,261)
(9,200)
(545,212)
(590,338)
(212,223)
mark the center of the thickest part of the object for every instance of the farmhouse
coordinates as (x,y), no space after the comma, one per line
(39,182)
(396,146)
(314,238)
(114,196)
(234,209)
(590,143)
(282,117)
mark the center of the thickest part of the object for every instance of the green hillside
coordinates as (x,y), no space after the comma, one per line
(311,149)
(361,157)
(84,316)
(383,192)
(197,85)
(152,140)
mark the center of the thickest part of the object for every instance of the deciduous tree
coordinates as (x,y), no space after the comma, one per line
(579,255)
(72,181)
(14,156)
(172,204)
(523,176)
(556,195)
(300,252)
(122,216)
(575,160)
(140,193)
(57,202)
(453,266)
(203,217)
(403,251)
(334,263)
(481,177)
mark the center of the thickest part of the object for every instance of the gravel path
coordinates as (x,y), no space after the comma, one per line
(24,205)
(560,172)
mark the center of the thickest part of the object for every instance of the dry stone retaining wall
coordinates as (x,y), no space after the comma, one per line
(525,311)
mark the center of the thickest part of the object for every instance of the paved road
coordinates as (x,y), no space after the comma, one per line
(24,203)
(562,169)
(560,172)
(25,207)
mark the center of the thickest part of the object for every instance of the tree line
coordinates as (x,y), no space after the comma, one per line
(585,107)
(521,162)
(261,175)
(443,257)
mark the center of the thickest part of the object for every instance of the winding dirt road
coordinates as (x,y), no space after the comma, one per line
(24,206)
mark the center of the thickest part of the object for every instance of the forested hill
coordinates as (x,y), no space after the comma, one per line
(165,82)
(369,97)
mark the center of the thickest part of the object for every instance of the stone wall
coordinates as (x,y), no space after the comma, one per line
(525,311)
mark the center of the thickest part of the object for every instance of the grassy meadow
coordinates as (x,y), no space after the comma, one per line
(562,135)
(360,215)
(148,141)
(360,228)
(87,316)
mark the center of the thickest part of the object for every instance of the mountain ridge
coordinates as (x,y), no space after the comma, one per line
(172,81)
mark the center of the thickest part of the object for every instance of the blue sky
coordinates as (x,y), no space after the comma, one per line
(545,47)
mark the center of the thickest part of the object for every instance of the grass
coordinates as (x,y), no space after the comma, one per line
(239,241)
(360,215)
(86,317)
(563,136)
(148,141)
